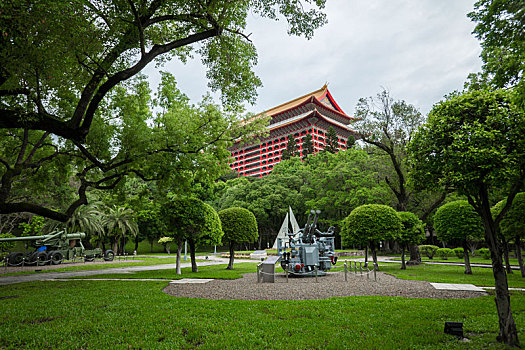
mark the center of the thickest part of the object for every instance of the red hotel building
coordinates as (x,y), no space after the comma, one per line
(313,113)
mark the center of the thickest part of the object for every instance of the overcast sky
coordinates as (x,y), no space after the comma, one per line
(420,50)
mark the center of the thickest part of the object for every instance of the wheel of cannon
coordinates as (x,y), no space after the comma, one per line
(56,257)
(15,259)
(89,258)
(109,255)
(39,258)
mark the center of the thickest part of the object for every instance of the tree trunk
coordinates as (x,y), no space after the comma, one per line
(518,253)
(232,256)
(466,256)
(179,253)
(366,255)
(508,268)
(415,256)
(194,267)
(115,245)
(508,333)
(136,245)
(403,264)
(374,255)
(151,246)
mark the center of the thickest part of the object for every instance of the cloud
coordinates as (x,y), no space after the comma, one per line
(420,50)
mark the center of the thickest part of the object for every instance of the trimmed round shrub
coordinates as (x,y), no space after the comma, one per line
(444,253)
(484,252)
(457,222)
(459,252)
(428,250)
(239,225)
(371,223)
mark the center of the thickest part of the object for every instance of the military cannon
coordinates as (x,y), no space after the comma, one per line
(54,248)
(308,251)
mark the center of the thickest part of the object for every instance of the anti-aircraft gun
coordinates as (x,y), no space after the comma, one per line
(308,249)
(53,248)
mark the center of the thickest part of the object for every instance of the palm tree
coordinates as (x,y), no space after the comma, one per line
(88,219)
(119,221)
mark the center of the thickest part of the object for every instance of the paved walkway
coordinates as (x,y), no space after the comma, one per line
(4,280)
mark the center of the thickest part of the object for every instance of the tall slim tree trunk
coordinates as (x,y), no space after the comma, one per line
(151,246)
(179,253)
(403,264)
(192,255)
(232,256)
(466,256)
(136,244)
(518,253)
(374,254)
(508,333)
(366,255)
(505,244)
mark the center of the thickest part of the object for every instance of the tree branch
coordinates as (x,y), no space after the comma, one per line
(128,73)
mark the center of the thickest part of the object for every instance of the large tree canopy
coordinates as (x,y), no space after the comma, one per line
(63,66)
(500,26)
(473,142)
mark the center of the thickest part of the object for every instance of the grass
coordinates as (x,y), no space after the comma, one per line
(111,314)
(451,274)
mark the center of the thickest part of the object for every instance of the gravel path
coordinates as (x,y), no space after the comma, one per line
(331,285)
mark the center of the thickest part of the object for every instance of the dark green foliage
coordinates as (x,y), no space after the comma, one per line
(413,231)
(191,218)
(239,225)
(513,223)
(484,252)
(308,146)
(456,222)
(428,250)
(332,141)
(459,252)
(291,148)
(6,246)
(371,223)
(444,253)
(500,29)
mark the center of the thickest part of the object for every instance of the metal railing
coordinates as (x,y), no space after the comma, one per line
(363,269)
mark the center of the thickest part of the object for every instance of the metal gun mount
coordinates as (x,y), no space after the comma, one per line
(53,248)
(309,251)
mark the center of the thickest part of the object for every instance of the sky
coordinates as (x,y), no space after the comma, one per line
(419,50)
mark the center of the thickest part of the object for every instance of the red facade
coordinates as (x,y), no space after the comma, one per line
(313,114)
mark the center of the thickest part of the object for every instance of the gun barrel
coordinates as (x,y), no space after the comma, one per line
(69,236)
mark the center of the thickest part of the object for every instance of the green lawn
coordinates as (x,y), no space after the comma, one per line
(116,315)
(451,274)
(133,315)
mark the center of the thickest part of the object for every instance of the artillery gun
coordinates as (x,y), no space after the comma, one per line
(54,248)
(310,251)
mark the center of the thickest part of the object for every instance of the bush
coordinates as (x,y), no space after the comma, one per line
(459,252)
(444,253)
(484,252)
(428,250)
(6,246)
